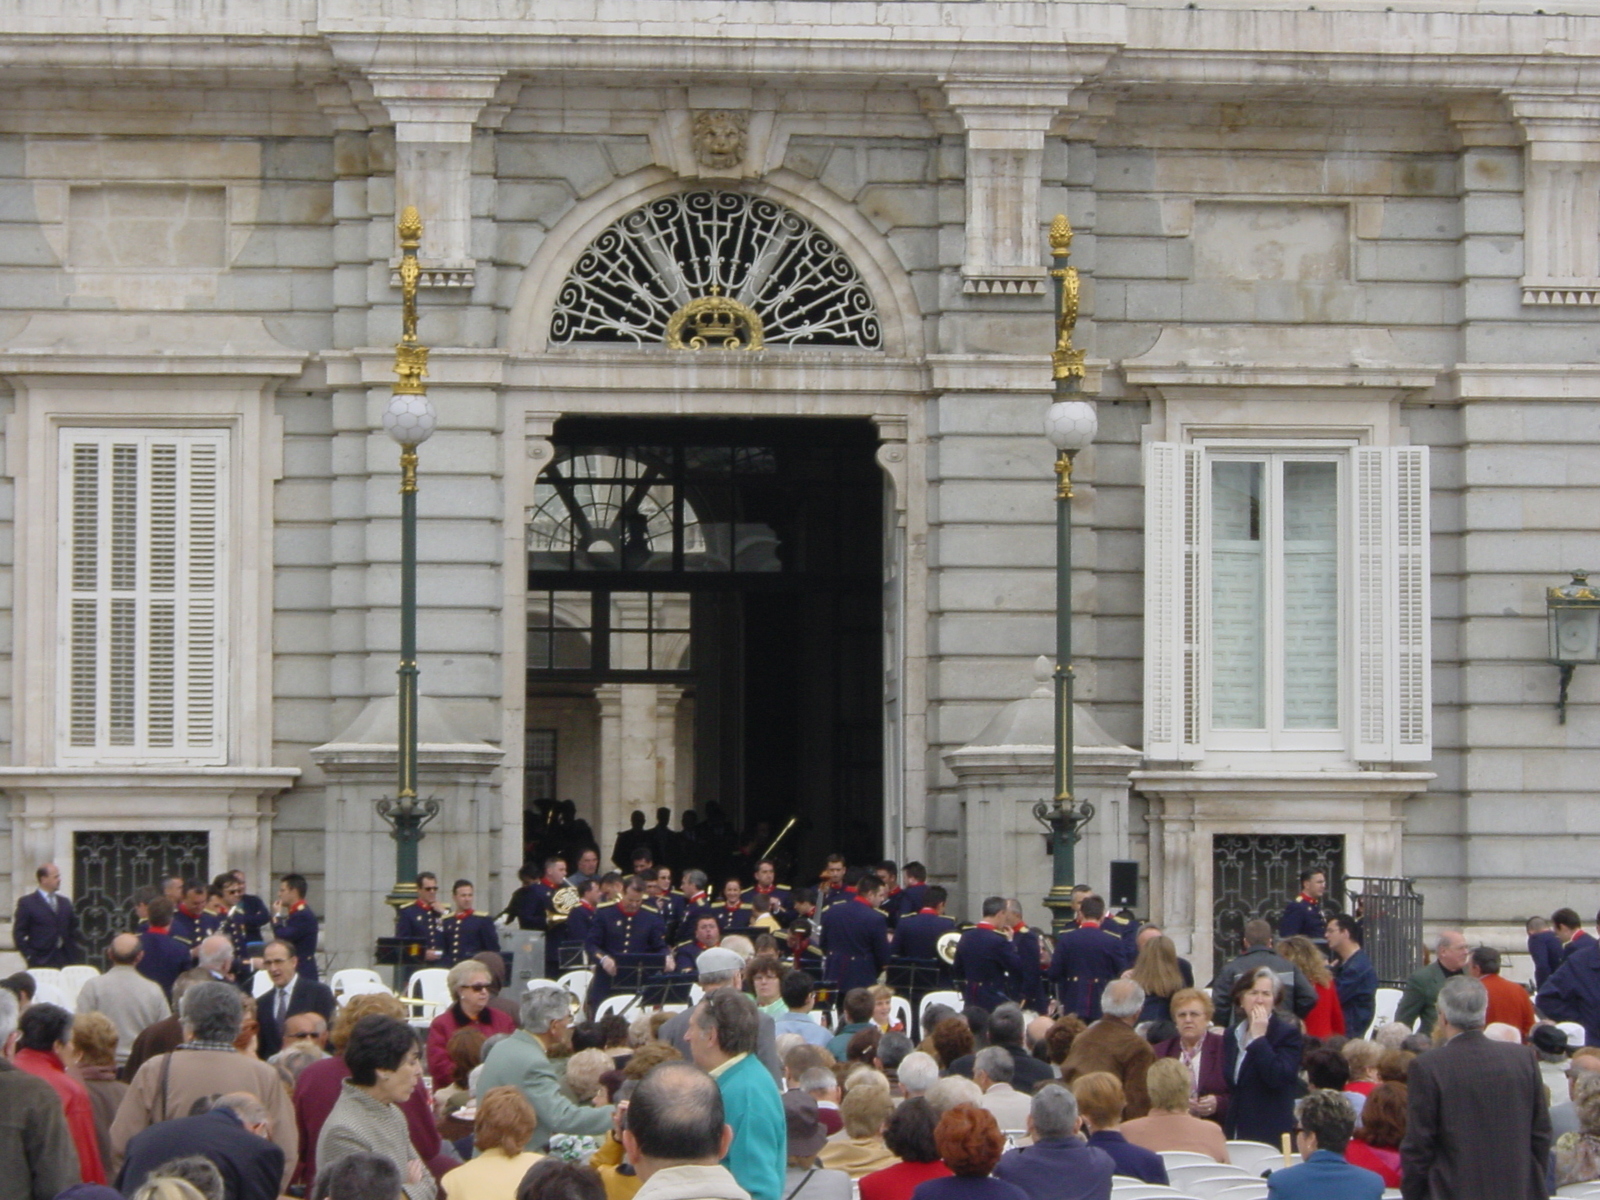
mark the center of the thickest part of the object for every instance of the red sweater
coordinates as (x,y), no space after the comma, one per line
(491,1021)
(75,1100)
(1327,1018)
(899,1181)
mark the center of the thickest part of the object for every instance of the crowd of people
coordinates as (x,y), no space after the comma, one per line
(790,1071)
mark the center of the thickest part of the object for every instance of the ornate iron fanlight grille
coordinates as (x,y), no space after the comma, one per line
(651,263)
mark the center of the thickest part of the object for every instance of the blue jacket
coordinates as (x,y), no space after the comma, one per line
(462,937)
(1065,1168)
(1356,981)
(46,937)
(638,943)
(753,1108)
(917,935)
(1130,1159)
(1031,977)
(1573,992)
(299,929)
(1304,918)
(1266,1084)
(1545,949)
(1324,1176)
(855,938)
(1086,959)
(251,1166)
(419,923)
(165,958)
(988,961)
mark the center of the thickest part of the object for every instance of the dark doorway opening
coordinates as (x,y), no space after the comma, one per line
(735,567)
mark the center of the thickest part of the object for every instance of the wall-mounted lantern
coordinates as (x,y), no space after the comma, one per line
(1573,611)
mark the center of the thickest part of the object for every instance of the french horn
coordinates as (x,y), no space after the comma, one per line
(946,945)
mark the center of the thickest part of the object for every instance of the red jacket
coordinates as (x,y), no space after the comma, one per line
(75,1100)
(491,1021)
(1327,1018)
(318,1091)
(1508,1002)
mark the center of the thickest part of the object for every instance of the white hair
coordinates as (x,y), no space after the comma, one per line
(918,1071)
(951,1091)
(1122,998)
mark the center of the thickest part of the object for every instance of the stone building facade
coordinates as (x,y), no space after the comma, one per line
(1341,266)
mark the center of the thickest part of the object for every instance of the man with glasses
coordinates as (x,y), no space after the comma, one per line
(419,923)
(306,1029)
(291,994)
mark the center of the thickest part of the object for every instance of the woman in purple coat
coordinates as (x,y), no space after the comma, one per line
(1198,1047)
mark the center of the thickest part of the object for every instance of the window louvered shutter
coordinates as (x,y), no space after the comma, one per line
(143,520)
(1391,663)
(1172,611)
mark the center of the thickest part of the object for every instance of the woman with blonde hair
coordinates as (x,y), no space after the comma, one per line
(1199,1048)
(1100,1102)
(94,1040)
(165,1187)
(1158,971)
(1578,1154)
(1327,1018)
(505,1123)
(859,1148)
(583,1073)
(1170,1125)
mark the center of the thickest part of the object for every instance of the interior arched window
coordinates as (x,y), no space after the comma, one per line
(718,270)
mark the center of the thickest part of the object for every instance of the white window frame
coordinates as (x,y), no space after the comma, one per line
(1385,665)
(212,678)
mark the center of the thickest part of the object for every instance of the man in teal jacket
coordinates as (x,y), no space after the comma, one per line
(722,1038)
(523,1061)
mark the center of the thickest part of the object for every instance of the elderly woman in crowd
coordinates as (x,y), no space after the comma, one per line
(909,1136)
(385,1069)
(807,1178)
(1101,1101)
(1327,1018)
(970,1144)
(1261,1055)
(1578,1154)
(94,1042)
(505,1123)
(583,1073)
(1361,1056)
(952,1039)
(470,983)
(1170,1125)
(1199,1048)
(859,1148)
(1376,1144)
(320,1086)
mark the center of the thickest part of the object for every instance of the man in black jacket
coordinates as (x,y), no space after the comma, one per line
(1006,1027)
(291,993)
(234,1134)
(1258,953)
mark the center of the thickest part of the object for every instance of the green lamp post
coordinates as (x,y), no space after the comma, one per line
(1070,424)
(409,419)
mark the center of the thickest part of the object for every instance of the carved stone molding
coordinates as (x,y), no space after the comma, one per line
(1006,127)
(1560,199)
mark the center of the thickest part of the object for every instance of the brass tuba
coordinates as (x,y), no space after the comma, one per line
(562,901)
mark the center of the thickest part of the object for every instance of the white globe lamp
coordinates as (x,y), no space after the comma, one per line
(1070,425)
(409,419)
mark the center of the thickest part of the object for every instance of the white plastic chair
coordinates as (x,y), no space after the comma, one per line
(539,983)
(260,984)
(577,982)
(344,979)
(1576,1033)
(359,987)
(1186,1158)
(1255,1157)
(1194,1175)
(900,1013)
(617,1002)
(427,995)
(1252,1189)
(1385,1004)
(73,979)
(1209,1186)
(1124,1188)
(696,994)
(950,1000)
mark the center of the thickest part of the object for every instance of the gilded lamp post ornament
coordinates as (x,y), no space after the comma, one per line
(409,419)
(1070,424)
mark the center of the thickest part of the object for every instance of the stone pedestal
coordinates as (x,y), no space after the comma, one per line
(1004,772)
(360,766)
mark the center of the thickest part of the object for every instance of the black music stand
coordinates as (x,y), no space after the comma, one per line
(405,955)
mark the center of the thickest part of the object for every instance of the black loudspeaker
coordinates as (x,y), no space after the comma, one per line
(1124,883)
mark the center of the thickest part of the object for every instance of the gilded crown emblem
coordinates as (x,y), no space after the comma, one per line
(714,320)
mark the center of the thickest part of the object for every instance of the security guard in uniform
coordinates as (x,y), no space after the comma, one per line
(422,921)
(917,936)
(707,933)
(1085,960)
(782,901)
(733,914)
(986,959)
(855,937)
(574,937)
(465,932)
(626,943)
(1304,915)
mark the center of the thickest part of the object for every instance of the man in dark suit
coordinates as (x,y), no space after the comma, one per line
(627,943)
(1086,959)
(295,923)
(45,927)
(855,937)
(1477,1125)
(466,931)
(1544,947)
(163,958)
(987,960)
(235,1135)
(1355,978)
(1006,1028)
(1569,930)
(291,993)
(1572,993)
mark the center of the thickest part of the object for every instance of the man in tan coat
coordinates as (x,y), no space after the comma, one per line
(186,1081)
(1111,1044)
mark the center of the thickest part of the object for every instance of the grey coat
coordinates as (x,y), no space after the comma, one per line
(37,1156)
(358,1123)
(520,1062)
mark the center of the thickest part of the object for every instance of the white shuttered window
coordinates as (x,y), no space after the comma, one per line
(143,596)
(1286,601)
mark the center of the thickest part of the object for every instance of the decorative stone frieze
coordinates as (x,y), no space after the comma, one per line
(1561,199)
